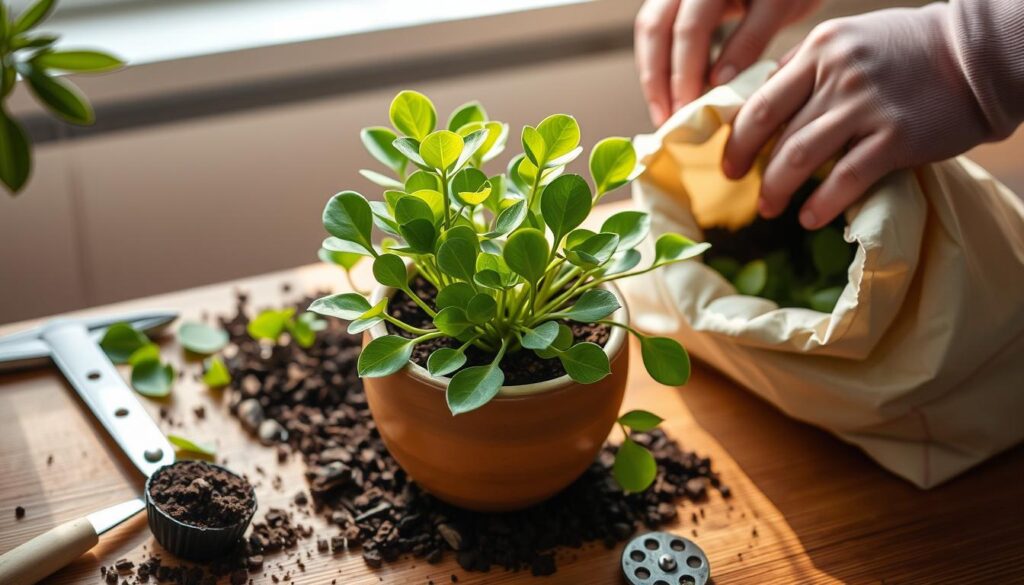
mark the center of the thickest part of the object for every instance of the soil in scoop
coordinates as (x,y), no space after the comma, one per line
(200,494)
(520,367)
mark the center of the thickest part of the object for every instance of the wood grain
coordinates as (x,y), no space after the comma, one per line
(806,508)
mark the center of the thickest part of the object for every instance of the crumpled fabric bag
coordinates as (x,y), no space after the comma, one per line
(920,364)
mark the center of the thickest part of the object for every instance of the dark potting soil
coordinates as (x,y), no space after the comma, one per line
(519,367)
(200,494)
(317,398)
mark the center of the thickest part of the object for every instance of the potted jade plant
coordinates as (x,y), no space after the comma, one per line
(496,344)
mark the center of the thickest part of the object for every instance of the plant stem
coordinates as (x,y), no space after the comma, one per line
(416,299)
(405,326)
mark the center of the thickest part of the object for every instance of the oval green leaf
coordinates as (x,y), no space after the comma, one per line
(152,378)
(348,217)
(585,362)
(445,361)
(202,338)
(640,420)
(120,341)
(473,387)
(441,149)
(347,306)
(665,360)
(634,468)
(564,204)
(593,305)
(384,356)
(412,114)
(526,253)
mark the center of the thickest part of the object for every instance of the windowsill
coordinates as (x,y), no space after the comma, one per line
(181,47)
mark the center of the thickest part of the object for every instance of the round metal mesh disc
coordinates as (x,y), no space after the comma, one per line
(662,558)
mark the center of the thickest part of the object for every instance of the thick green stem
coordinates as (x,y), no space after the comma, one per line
(404,326)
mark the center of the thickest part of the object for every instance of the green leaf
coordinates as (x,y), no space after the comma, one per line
(379,142)
(561,343)
(541,336)
(466,113)
(481,308)
(384,356)
(152,378)
(420,235)
(494,142)
(58,95)
(434,200)
(303,330)
(216,374)
(456,294)
(346,260)
(409,208)
(32,16)
(585,362)
(470,186)
(726,266)
(594,251)
(473,387)
(457,257)
(150,351)
(623,261)
(84,61)
(471,144)
(452,321)
(202,338)
(634,468)
(15,156)
(825,300)
(671,248)
(412,114)
(270,324)
(612,162)
(347,306)
(445,361)
(37,41)
(362,324)
(509,219)
(561,135)
(526,253)
(348,216)
(422,180)
(831,253)
(120,341)
(640,420)
(593,305)
(441,149)
(751,279)
(190,446)
(334,244)
(631,227)
(410,148)
(564,204)
(492,272)
(389,270)
(534,146)
(666,360)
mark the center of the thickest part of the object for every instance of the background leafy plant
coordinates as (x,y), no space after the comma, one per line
(32,56)
(505,251)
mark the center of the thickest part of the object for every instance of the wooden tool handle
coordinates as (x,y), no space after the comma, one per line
(46,553)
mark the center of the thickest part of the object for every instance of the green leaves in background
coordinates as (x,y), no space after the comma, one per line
(751,278)
(634,468)
(202,338)
(31,55)
(206,450)
(830,253)
(153,378)
(671,248)
(215,372)
(466,114)
(413,115)
(270,324)
(120,341)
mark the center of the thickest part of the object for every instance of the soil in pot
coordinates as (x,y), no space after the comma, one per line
(372,507)
(520,367)
(199,494)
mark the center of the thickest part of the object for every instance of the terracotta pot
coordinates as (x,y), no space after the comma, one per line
(524,446)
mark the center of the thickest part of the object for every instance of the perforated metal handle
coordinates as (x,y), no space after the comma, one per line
(113,403)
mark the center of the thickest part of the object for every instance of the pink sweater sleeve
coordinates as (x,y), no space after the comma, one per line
(987,38)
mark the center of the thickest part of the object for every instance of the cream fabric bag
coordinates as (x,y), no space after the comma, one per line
(921,364)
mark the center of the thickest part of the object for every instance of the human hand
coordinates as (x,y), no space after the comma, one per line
(885,87)
(673,45)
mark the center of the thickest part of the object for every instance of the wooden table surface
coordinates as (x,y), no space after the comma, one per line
(806,508)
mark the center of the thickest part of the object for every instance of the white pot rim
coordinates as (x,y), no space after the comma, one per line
(616,340)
